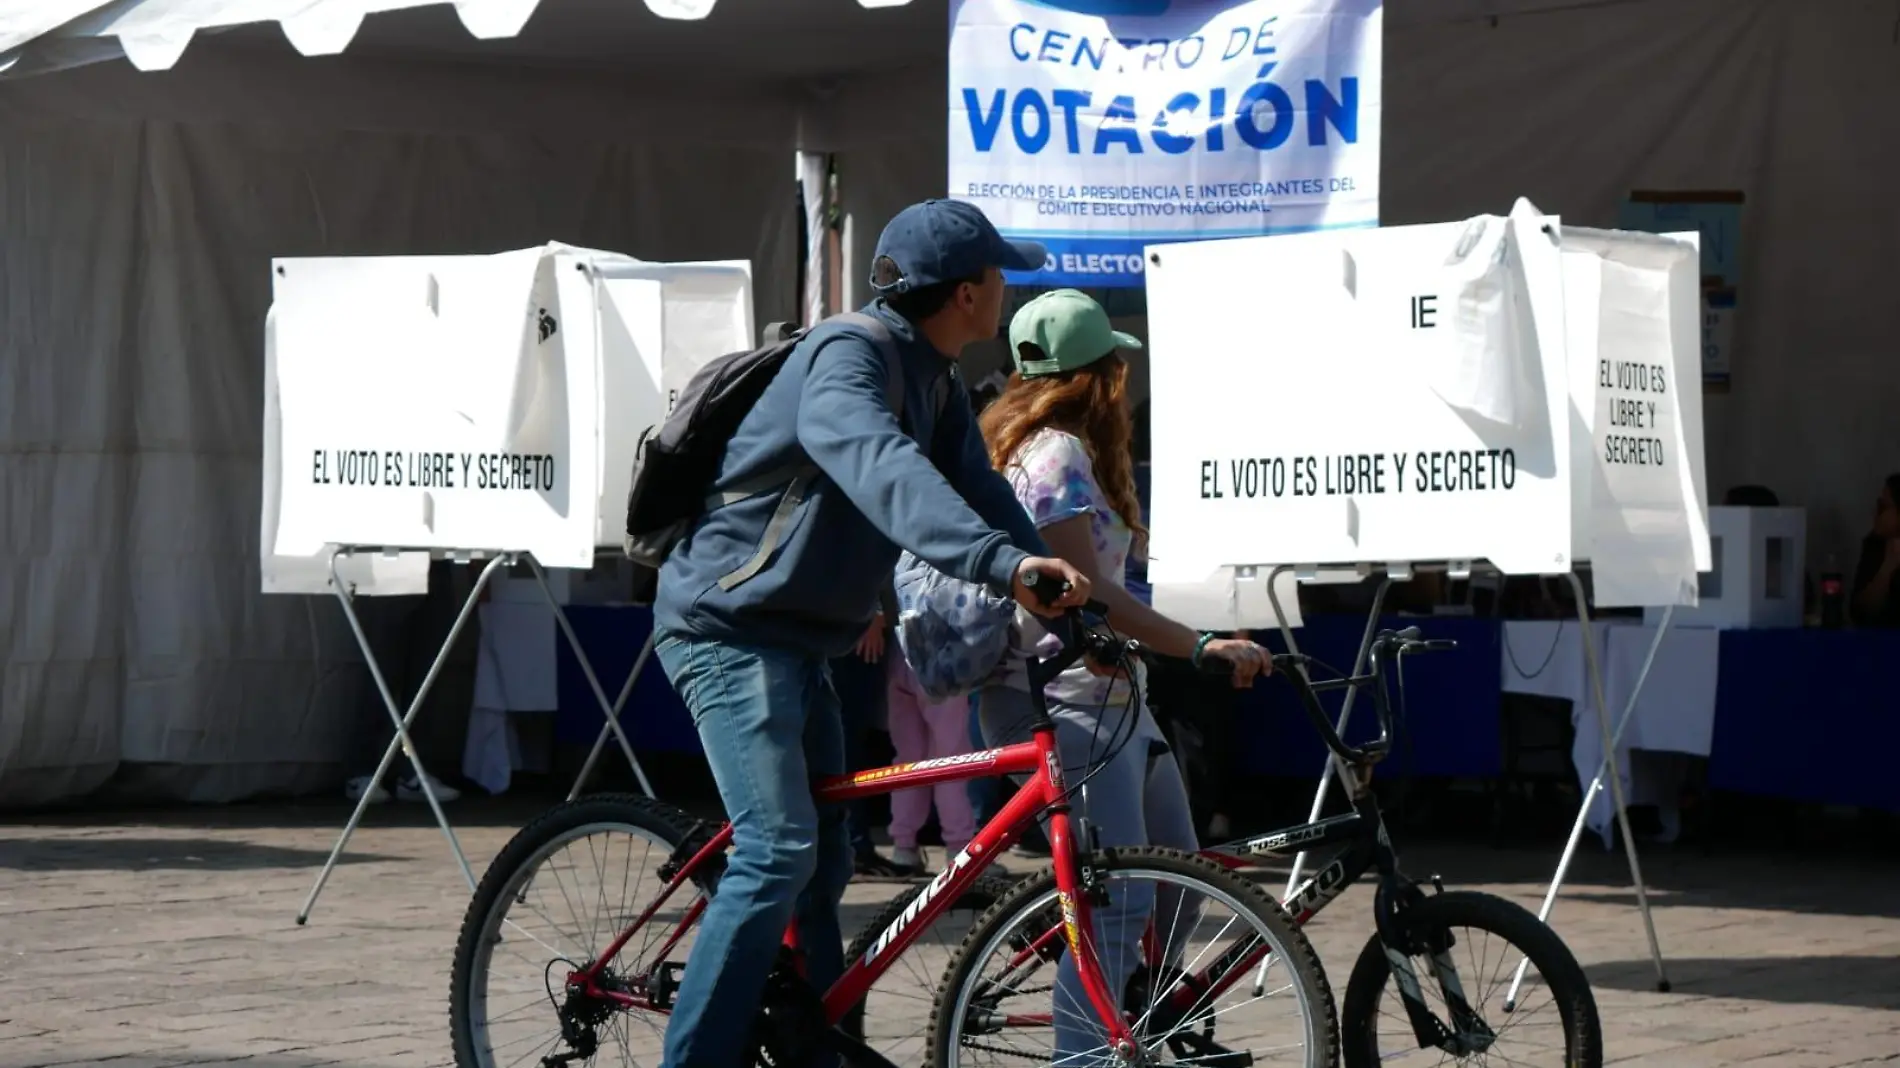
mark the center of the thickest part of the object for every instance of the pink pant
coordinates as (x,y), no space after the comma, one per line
(923,731)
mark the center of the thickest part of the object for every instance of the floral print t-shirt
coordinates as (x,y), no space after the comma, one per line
(1055,480)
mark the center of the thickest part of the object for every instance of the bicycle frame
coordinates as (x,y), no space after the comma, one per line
(1042,792)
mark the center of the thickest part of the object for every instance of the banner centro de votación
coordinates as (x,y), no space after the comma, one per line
(1098,127)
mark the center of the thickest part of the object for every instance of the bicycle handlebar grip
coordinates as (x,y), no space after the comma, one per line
(1409,634)
(1043,588)
(1218,666)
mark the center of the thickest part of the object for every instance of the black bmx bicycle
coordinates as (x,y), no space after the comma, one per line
(1436,977)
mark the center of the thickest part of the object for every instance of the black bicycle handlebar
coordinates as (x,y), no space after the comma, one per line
(1387,646)
(1078,640)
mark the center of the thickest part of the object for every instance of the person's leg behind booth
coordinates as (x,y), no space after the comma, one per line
(861,699)
(946,723)
(910,737)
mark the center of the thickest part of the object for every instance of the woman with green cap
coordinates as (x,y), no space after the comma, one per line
(1061,432)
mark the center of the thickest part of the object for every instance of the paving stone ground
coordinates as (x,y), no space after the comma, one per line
(148,941)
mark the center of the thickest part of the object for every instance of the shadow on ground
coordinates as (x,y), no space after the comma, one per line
(161,854)
(1861,982)
(1834,883)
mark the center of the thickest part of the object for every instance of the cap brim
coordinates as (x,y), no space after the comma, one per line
(1023,256)
(1127,341)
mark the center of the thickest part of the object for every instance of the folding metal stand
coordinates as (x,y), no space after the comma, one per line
(346,596)
(1610,737)
(612,726)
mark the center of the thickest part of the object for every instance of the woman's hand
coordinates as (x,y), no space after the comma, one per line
(870,648)
(1249,660)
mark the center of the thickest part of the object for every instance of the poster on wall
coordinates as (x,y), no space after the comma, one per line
(1715,215)
(1097,127)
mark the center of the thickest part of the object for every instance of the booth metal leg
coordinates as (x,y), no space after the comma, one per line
(1607,769)
(612,726)
(611,711)
(1345,708)
(345,597)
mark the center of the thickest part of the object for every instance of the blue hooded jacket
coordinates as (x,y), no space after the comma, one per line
(877,491)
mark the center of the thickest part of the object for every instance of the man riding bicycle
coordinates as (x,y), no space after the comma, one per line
(762,591)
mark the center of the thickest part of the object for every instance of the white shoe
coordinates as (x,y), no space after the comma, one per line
(411,790)
(355,788)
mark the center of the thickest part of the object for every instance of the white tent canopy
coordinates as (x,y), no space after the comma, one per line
(139,211)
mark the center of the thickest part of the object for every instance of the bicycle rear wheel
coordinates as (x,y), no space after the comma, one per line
(1011,985)
(554,898)
(1481,938)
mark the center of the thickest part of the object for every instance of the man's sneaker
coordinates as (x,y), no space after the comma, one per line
(872,866)
(357,787)
(411,790)
(910,860)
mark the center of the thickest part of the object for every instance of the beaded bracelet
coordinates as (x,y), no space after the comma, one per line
(1200,647)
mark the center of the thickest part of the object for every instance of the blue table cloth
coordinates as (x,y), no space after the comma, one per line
(1808,715)
(1451,725)
(1453,696)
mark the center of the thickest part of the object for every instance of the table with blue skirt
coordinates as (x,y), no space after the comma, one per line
(1804,715)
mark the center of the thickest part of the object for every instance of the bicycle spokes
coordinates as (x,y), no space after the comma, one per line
(1162,946)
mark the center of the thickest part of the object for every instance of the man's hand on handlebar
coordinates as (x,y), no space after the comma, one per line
(1238,658)
(1049,587)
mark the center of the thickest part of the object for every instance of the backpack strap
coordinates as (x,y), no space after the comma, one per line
(797,478)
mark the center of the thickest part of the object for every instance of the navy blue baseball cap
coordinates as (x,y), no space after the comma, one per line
(944,241)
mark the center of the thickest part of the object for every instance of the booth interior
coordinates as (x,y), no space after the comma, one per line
(142,211)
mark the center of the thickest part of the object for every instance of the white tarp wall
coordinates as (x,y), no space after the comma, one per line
(138,217)
(135,210)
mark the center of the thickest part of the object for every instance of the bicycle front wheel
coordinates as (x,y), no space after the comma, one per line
(1464,949)
(1210,970)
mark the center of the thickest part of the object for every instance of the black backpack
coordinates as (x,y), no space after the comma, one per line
(676,464)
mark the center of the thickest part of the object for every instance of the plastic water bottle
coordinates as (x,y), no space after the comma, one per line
(1833,597)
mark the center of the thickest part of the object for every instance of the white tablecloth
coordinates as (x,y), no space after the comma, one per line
(514,672)
(1675,712)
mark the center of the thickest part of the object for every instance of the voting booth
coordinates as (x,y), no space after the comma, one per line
(479,408)
(1500,392)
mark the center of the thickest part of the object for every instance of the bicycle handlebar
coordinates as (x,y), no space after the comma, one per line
(1077,640)
(1386,645)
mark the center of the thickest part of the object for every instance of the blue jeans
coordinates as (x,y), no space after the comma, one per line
(768,721)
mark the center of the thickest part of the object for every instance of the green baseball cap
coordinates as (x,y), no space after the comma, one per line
(1069,327)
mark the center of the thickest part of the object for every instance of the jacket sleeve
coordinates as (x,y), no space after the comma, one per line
(847,428)
(968,461)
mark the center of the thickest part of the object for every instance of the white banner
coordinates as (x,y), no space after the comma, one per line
(1432,393)
(1632,307)
(472,402)
(1310,427)
(1097,128)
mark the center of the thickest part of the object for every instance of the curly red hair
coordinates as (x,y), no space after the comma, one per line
(1091,403)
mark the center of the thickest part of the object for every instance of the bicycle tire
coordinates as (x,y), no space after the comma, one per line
(982,896)
(664,822)
(1521,929)
(1322,1030)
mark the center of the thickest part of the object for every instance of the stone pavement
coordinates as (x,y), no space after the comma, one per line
(146,941)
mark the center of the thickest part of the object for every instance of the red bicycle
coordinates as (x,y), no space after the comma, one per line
(1135,976)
